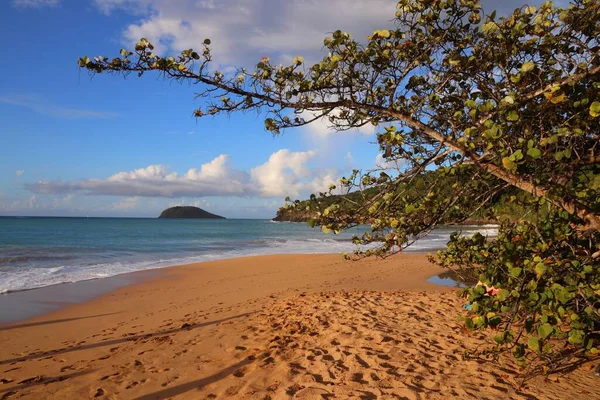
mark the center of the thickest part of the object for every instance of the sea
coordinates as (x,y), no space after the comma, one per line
(44,251)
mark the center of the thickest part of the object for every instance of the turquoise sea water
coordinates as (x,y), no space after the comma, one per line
(36,252)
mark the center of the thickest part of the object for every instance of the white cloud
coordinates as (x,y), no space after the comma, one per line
(286,173)
(246,30)
(243,31)
(280,176)
(28,204)
(19,172)
(322,128)
(214,170)
(126,204)
(35,3)
(44,107)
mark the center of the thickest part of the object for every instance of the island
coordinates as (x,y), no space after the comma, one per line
(188,212)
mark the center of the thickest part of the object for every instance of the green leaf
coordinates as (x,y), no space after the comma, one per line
(545,330)
(508,100)
(534,153)
(207,42)
(383,33)
(512,116)
(469,324)
(517,155)
(533,343)
(576,336)
(493,133)
(495,321)
(503,295)
(470,103)
(528,66)
(519,351)
(479,321)
(595,109)
(540,269)
(489,27)
(325,229)
(558,99)
(530,10)
(508,164)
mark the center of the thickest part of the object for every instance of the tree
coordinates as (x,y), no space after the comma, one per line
(479,105)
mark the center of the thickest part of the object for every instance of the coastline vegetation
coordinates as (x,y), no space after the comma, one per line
(477,108)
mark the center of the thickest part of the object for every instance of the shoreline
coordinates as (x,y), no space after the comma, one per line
(265,327)
(30,304)
(25,304)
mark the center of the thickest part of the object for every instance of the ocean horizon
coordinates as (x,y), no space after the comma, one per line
(43,251)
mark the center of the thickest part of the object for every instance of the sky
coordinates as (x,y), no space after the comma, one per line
(77,145)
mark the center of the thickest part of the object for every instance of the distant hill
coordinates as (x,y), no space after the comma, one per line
(300,214)
(188,212)
(499,205)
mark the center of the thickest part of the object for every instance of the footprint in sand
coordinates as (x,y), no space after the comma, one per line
(105,377)
(132,384)
(68,368)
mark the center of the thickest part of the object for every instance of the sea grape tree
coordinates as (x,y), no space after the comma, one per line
(477,107)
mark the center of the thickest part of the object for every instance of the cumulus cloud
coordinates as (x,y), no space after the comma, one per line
(282,174)
(35,3)
(19,172)
(243,30)
(322,127)
(286,173)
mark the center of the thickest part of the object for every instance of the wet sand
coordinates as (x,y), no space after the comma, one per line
(26,304)
(268,327)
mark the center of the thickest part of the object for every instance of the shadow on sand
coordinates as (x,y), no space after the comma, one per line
(9,326)
(197,384)
(113,342)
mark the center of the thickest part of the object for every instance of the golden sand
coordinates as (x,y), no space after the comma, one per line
(269,327)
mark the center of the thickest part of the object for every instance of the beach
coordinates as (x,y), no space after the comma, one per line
(268,327)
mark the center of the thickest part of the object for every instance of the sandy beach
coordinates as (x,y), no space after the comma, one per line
(268,327)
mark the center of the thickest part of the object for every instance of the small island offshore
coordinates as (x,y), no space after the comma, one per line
(188,212)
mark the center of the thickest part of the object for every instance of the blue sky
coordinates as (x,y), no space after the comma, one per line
(104,146)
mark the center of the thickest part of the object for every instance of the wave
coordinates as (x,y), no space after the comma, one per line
(30,276)
(18,279)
